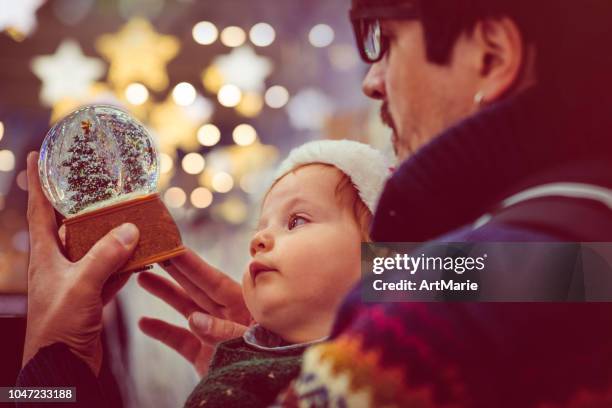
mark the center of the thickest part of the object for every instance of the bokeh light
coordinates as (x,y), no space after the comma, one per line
(7,160)
(175,197)
(201,197)
(1,130)
(209,135)
(193,163)
(166,163)
(222,182)
(276,96)
(229,95)
(321,35)
(262,34)
(205,33)
(22,180)
(244,134)
(184,94)
(136,93)
(233,36)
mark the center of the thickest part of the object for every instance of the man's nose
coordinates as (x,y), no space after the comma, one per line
(263,241)
(374,82)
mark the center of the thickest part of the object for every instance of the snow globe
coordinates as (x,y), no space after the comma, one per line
(99,168)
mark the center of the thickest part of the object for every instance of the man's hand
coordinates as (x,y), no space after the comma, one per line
(65,299)
(209,299)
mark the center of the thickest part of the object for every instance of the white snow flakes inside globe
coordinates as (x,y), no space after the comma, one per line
(95,157)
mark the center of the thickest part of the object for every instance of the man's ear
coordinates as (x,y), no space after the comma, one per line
(502,57)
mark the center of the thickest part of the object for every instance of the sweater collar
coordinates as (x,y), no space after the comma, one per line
(263,339)
(466,170)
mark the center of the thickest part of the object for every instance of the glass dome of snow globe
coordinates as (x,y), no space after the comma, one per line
(96,157)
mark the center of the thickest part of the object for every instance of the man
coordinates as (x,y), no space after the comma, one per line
(486,99)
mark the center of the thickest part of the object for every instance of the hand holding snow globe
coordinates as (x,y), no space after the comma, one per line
(99,169)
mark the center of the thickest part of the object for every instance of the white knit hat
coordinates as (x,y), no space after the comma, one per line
(367,168)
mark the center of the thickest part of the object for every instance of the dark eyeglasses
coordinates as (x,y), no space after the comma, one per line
(372,44)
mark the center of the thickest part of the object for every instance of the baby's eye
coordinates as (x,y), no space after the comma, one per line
(295,221)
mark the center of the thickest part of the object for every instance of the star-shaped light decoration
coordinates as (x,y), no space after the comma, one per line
(176,126)
(67,73)
(138,54)
(309,109)
(244,68)
(19,17)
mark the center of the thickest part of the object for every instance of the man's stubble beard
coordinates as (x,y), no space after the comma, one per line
(387,120)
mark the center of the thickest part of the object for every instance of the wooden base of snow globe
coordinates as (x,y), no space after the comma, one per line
(160,238)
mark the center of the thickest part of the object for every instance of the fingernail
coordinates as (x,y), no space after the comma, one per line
(201,321)
(126,234)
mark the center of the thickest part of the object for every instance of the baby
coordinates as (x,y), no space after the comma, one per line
(305,259)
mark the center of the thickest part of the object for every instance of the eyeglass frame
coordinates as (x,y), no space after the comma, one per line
(359,16)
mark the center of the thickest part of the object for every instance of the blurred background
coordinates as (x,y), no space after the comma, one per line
(226,89)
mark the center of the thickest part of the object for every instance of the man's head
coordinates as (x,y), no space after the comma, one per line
(435,62)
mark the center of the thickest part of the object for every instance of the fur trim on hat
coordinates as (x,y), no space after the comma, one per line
(367,168)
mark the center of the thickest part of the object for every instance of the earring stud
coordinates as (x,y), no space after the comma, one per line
(479,98)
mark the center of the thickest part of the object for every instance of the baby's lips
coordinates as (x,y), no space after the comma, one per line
(255,268)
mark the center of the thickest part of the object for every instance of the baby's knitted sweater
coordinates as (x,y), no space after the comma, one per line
(245,375)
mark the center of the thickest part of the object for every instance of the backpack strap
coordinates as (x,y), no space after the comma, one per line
(569,211)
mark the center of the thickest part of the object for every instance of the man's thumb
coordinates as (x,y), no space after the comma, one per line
(213,330)
(110,253)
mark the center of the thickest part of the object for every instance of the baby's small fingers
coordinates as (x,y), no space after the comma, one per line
(212,330)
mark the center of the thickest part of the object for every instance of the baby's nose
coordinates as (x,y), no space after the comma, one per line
(261,242)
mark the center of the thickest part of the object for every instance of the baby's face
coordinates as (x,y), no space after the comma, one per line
(305,255)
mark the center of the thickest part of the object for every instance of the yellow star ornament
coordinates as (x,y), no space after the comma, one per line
(138,54)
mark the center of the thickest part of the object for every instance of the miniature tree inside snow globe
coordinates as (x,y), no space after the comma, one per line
(99,168)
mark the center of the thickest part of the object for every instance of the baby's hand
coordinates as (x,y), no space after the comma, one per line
(211,301)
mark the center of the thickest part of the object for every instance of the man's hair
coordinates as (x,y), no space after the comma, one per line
(571,38)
